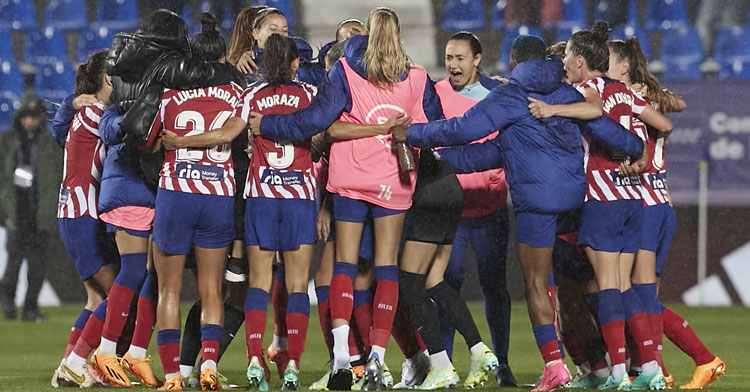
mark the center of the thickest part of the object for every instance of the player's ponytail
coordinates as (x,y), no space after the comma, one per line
(630,51)
(208,44)
(278,56)
(88,78)
(385,58)
(592,46)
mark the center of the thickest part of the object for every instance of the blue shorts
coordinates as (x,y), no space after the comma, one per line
(659,223)
(351,210)
(612,226)
(536,230)
(136,233)
(87,243)
(182,220)
(280,224)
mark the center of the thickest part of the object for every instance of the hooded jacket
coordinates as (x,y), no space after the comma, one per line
(308,72)
(334,98)
(543,158)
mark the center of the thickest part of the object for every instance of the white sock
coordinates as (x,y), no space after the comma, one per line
(602,373)
(440,360)
(553,362)
(618,371)
(107,347)
(169,376)
(477,348)
(208,364)
(379,351)
(186,370)
(75,360)
(137,352)
(650,367)
(354,358)
(340,347)
(279,343)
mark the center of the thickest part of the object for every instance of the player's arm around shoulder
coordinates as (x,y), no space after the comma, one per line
(223,135)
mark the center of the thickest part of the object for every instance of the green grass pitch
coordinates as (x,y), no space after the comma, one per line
(30,351)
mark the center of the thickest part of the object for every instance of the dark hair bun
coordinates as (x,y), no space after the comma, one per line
(208,23)
(601,30)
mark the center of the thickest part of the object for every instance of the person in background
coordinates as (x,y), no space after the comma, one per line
(28,202)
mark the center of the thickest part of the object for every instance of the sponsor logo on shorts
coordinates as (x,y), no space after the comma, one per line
(199,172)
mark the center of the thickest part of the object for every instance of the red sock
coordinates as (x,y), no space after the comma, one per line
(384,307)
(118,308)
(256,305)
(363,316)
(681,334)
(613,333)
(92,333)
(642,335)
(575,350)
(551,351)
(341,297)
(168,341)
(279,299)
(657,331)
(404,333)
(324,316)
(297,317)
(75,331)
(145,320)
(210,337)
(631,349)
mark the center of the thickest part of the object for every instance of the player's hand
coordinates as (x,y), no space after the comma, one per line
(398,133)
(84,100)
(246,63)
(499,79)
(539,109)
(254,123)
(170,140)
(324,223)
(400,119)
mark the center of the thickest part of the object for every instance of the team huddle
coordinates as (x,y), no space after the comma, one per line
(164,133)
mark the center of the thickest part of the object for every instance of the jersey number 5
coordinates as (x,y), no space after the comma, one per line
(218,154)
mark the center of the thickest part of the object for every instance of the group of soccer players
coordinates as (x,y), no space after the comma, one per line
(160,130)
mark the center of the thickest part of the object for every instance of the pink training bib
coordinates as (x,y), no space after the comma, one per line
(484,192)
(367,169)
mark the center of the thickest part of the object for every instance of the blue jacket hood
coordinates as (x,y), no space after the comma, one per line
(304,49)
(538,76)
(354,51)
(324,51)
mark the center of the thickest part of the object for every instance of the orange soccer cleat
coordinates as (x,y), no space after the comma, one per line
(173,384)
(209,381)
(140,368)
(705,374)
(110,369)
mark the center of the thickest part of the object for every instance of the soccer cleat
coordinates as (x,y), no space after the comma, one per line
(622,384)
(387,376)
(256,375)
(414,373)
(652,381)
(111,368)
(322,383)
(669,381)
(554,375)
(340,380)
(236,270)
(290,382)
(590,380)
(78,375)
(373,375)
(358,372)
(140,368)
(483,363)
(439,378)
(279,357)
(209,380)
(504,376)
(705,374)
(172,384)
(55,382)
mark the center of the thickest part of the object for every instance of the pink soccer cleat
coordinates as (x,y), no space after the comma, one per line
(554,375)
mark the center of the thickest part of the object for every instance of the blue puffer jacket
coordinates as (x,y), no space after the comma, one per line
(333,98)
(543,159)
(122,179)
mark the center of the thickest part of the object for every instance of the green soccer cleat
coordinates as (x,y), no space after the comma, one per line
(483,365)
(652,381)
(387,377)
(591,380)
(322,383)
(439,378)
(623,384)
(256,376)
(290,381)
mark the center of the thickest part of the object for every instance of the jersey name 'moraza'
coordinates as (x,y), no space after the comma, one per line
(277,99)
(617,98)
(210,92)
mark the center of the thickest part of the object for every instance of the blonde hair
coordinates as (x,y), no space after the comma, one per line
(385,58)
(242,34)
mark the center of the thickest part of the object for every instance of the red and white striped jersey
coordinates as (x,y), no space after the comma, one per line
(278,170)
(654,178)
(203,170)
(82,165)
(605,183)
